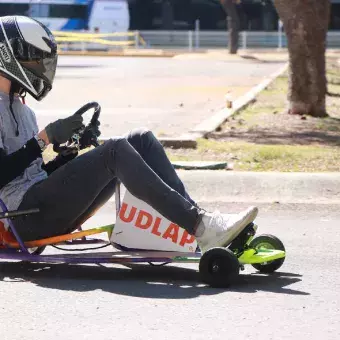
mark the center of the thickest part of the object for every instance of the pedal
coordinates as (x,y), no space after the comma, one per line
(240,242)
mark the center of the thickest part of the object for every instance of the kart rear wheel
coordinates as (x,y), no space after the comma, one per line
(219,267)
(267,242)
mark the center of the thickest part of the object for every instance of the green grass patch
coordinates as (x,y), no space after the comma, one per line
(258,157)
(280,84)
(268,102)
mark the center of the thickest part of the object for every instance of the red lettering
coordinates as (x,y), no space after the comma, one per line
(143,224)
(155,227)
(123,211)
(172,232)
(186,238)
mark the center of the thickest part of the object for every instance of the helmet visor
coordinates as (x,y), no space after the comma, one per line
(40,65)
(44,69)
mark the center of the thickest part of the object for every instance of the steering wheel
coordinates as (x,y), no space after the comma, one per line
(75,140)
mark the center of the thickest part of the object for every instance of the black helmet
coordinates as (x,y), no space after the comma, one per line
(28,54)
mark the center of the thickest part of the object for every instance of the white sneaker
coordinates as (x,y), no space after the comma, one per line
(221,229)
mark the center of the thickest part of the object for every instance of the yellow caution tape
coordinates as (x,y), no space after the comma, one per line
(93,35)
(97,38)
(97,41)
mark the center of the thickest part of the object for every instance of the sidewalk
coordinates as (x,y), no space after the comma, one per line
(244,188)
(265,187)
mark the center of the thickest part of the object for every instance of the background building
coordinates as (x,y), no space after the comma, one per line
(255,15)
(121,15)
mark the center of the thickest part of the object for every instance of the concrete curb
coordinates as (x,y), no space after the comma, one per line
(264,187)
(211,124)
(193,165)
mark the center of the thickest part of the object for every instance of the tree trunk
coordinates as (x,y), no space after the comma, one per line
(233,19)
(167,15)
(306,25)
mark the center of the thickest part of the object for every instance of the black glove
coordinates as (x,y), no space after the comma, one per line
(62,130)
(90,135)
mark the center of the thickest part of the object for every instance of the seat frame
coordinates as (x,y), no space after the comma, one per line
(10,238)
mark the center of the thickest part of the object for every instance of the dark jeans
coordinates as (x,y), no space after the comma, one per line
(72,193)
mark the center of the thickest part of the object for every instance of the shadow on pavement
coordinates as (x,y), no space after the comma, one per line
(266,136)
(138,280)
(275,283)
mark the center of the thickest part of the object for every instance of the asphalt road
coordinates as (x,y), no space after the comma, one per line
(301,301)
(169,96)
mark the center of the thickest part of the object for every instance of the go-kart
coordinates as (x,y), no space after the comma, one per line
(141,235)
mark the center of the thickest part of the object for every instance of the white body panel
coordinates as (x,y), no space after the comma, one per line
(139,226)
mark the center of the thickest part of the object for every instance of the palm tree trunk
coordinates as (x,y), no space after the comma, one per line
(306,24)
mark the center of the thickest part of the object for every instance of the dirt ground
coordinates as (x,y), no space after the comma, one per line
(267,122)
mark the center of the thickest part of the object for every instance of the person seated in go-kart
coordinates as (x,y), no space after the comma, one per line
(71,188)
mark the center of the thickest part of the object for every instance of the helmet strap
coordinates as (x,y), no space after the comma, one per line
(22,95)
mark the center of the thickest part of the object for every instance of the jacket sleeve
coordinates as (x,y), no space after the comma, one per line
(13,165)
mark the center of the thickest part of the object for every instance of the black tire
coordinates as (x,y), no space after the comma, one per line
(270,242)
(219,267)
(36,250)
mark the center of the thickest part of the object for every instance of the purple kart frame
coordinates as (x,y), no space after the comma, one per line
(126,256)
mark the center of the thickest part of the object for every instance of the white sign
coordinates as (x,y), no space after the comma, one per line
(139,226)
(110,16)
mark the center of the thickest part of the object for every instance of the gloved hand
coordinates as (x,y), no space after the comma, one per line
(62,130)
(90,134)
